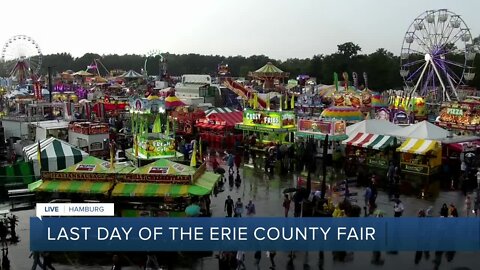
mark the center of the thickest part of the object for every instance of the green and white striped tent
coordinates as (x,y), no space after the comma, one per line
(55,155)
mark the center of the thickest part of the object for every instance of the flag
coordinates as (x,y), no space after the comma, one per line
(136,145)
(255,101)
(268,101)
(292,103)
(200,149)
(281,103)
(167,127)
(193,161)
(335,79)
(39,155)
(157,125)
(286,102)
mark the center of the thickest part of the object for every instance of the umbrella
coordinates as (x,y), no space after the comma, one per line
(379,213)
(192,210)
(84,101)
(289,190)
(470,154)
(220,170)
(131,74)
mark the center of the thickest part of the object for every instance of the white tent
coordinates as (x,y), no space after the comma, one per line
(372,126)
(422,130)
(55,155)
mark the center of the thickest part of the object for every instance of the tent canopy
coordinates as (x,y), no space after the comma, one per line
(131,74)
(422,130)
(230,116)
(370,141)
(372,126)
(418,146)
(55,155)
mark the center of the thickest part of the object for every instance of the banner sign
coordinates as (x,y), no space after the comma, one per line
(270,119)
(251,234)
(157,178)
(77,176)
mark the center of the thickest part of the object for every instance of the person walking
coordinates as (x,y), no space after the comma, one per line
(258,257)
(47,261)
(271,255)
(286,204)
(238,180)
(250,209)
(116,263)
(476,205)
(238,161)
(468,205)
(238,208)
(151,263)
(453,211)
(230,162)
(3,234)
(241,260)
(398,208)
(229,206)
(444,210)
(5,259)
(419,254)
(36,260)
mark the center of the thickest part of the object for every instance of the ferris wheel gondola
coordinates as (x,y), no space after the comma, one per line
(21,57)
(437,56)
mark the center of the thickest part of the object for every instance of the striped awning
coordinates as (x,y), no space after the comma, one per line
(75,187)
(55,155)
(219,110)
(149,190)
(418,146)
(203,186)
(371,141)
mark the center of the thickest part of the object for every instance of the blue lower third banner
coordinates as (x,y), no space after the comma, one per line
(249,234)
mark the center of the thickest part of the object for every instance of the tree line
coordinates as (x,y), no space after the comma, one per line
(382,67)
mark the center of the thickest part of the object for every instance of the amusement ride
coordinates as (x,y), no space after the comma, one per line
(21,58)
(437,56)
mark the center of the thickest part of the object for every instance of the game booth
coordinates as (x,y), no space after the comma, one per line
(420,156)
(183,120)
(462,117)
(150,142)
(268,126)
(308,105)
(319,128)
(218,127)
(374,149)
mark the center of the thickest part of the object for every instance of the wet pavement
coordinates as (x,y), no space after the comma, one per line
(266,191)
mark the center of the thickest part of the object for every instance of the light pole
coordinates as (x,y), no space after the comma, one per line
(50,85)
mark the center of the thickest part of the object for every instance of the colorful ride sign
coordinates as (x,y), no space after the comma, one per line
(269,119)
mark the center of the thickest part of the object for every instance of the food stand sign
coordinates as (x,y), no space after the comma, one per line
(455,111)
(155,147)
(77,176)
(269,119)
(323,127)
(157,178)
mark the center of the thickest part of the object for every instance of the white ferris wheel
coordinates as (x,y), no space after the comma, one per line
(437,56)
(21,57)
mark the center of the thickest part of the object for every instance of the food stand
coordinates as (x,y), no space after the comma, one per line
(462,117)
(420,156)
(162,188)
(319,128)
(150,142)
(346,113)
(374,149)
(268,126)
(89,136)
(218,127)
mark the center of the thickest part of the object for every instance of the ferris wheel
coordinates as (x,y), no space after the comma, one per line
(152,55)
(21,57)
(437,56)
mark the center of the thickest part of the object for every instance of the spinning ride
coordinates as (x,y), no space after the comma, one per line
(21,58)
(437,56)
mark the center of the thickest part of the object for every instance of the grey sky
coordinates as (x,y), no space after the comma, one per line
(278,28)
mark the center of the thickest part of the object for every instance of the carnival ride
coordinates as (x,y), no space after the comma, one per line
(437,56)
(21,58)
(268,74)
(153,54)
(244,92)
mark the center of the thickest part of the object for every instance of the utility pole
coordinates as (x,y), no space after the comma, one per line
(50,84)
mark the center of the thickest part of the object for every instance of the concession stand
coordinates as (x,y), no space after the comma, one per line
(89,136)
(268,126)
(420,156)
(462,117)
(218,127)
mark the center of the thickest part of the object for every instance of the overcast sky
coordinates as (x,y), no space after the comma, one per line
(278,28)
